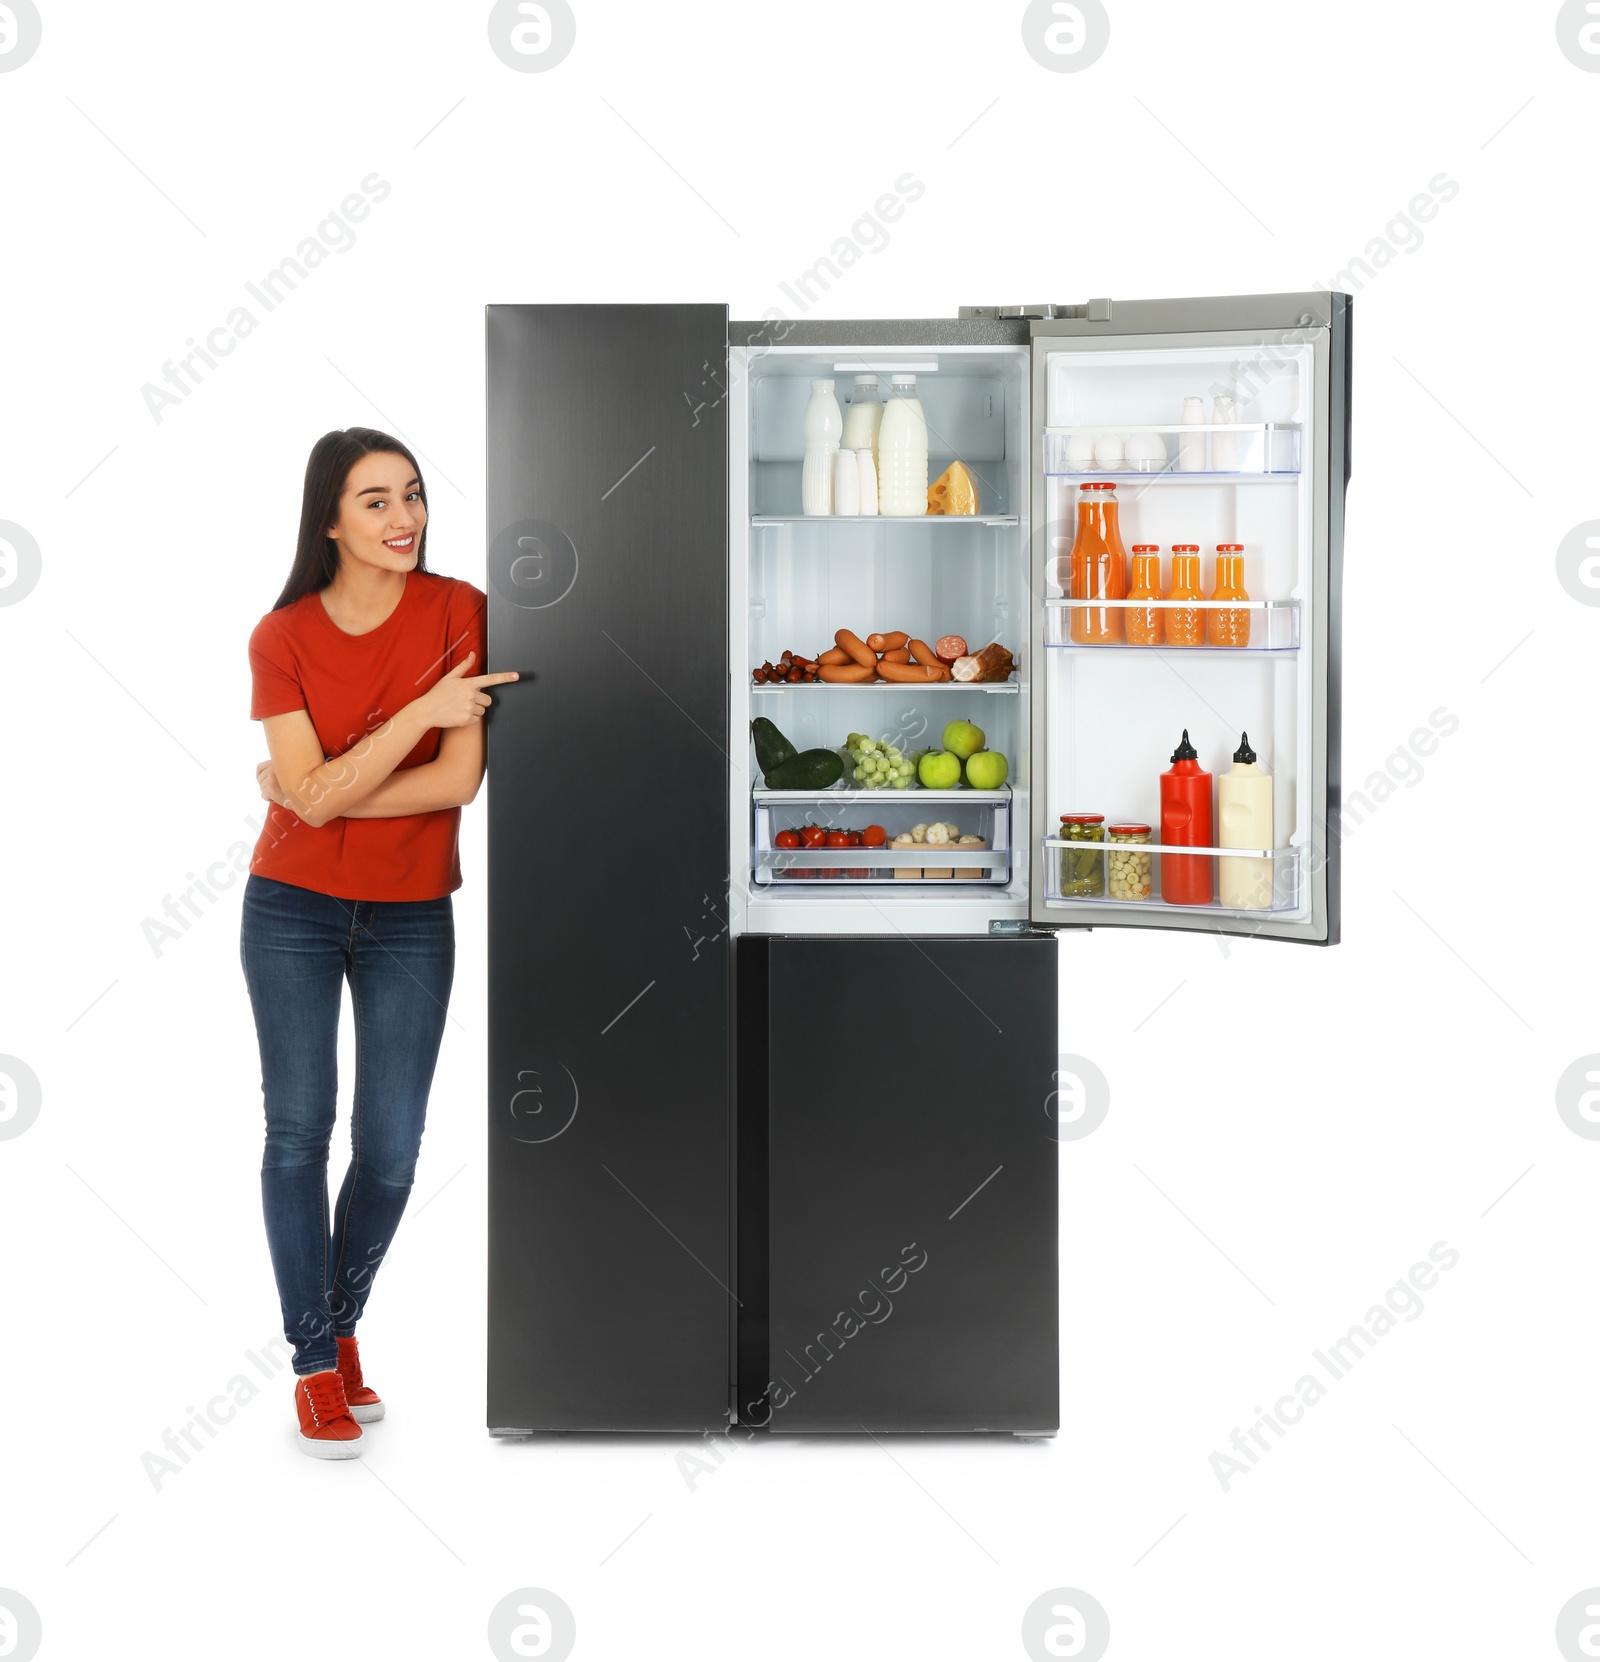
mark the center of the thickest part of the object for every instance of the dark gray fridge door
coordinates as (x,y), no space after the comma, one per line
(898,1180)
(609,1277)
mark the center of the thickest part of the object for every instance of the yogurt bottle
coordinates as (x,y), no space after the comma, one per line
(903,451)
(823,425)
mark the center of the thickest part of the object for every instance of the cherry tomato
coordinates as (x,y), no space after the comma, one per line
(813,836)
(838,839)
(787,839)
(855,839)
(874,837)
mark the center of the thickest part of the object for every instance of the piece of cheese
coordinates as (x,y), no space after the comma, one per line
(953,492)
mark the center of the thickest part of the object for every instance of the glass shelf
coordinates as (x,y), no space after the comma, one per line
(914,688)
(1274,625)
(760,521)
(843,792)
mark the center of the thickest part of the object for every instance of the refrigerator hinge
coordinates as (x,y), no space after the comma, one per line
(1010,926)
(1092,311)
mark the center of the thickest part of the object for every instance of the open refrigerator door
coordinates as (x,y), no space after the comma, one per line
(1189,467)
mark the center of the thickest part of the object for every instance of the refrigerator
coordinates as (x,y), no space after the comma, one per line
(774,1131)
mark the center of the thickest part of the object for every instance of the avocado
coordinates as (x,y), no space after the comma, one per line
(811,770)
(772,748)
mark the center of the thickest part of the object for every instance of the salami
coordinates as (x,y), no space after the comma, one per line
(949,647)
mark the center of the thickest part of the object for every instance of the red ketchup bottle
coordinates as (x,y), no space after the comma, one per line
(1186,880)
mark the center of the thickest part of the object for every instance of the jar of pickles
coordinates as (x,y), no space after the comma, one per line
(1127,869)
(1083,870)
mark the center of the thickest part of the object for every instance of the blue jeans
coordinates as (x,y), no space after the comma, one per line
(298,946)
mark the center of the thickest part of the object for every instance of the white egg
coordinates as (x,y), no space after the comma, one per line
(1146,453)
(1108,452)
(1080,452)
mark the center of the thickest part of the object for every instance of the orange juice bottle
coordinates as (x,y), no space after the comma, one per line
(1224,626)
(1099,567)
(1145,624)
(1184,625)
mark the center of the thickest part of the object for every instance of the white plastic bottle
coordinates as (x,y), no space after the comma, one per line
(1244,820)
(823,427)
(846,483)
(863,417)
(1192,446)
(867,481)
(1224,446)
(903,451)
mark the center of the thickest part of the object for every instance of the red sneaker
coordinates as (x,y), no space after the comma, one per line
(327,1431)
(365,1403)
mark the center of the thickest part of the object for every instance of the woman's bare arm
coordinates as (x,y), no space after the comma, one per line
(319,790)
(450,780)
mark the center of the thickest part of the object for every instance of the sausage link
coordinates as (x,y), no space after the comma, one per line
(834,655)
(856,647)
(846,672)
(922,674)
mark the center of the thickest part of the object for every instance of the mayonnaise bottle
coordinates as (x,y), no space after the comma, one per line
(1244,820)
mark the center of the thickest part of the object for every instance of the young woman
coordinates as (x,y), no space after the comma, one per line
(362,681)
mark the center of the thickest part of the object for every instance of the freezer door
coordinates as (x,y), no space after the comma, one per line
(609,1277)
(1224,424)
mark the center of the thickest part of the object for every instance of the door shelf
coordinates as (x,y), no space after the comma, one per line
(983,814)
(1286,877)
(916,689)
(1274,625)
(763,521)
(1220,453)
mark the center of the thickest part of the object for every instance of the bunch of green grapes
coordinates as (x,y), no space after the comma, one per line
(876,766)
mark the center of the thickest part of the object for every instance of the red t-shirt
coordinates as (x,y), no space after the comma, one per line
(300,659)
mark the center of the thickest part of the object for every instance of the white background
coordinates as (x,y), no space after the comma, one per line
(1288,1133)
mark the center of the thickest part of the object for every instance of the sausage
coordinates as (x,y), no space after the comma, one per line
(922,653)
(920,673)
(900,655)
(834,655)
(856,647)
(846,672)
(887,643)
(949,648)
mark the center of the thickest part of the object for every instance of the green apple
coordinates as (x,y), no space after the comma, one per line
(939,770)
(961,738)
(987,770)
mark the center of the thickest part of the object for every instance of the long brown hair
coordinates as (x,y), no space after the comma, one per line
(316,554)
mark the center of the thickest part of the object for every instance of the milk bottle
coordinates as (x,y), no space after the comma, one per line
(864,417)
(903,451)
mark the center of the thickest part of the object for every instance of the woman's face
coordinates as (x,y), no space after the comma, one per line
(381,514)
